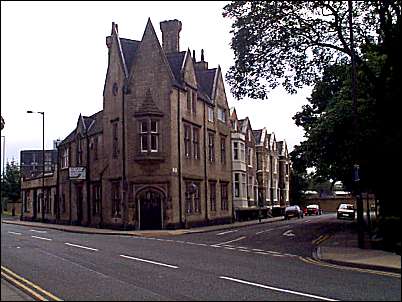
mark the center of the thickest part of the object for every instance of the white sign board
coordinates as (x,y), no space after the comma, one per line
(77,173)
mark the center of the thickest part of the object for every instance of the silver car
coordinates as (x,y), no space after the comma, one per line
(293,211)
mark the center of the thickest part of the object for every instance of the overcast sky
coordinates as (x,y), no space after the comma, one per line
(54,59)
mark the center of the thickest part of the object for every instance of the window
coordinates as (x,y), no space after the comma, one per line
(26,201)
(144,136)
(211,147)
(189,99)
(115,140)
(224,197)
(210,114)
(250,157)
(149,135)
(79,152)
(96,196)
(237,185)
(63,203)
(193,201)
(242,152)
(116,199)
(243,185)
(250,187)
(196,143)
(287,169)
(187,141)
(154,136)
(212,195)
(235,151)
(221,115)
(47,203)
(64,158)
(223,150)
(194,102)
(275,164)
(95,147)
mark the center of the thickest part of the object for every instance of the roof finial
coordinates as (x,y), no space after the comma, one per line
(194,55)
(202,55)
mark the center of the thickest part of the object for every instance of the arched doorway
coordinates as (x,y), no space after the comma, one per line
(150,214)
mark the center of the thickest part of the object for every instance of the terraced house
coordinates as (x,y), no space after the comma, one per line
(158,155)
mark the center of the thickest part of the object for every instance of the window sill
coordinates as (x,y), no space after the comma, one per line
(150,157)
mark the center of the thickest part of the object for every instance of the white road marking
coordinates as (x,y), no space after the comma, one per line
(263,231)
(81,247)
(149,261)
(18,247)
(288,233)
(272,252)
(229,248)
(261,253)
(42,238)
(277,289)
(234,240)
(42,232)
(14,233)
(307,221)
(257,250)
(227,232)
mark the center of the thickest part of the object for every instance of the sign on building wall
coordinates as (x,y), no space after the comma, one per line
(77,173)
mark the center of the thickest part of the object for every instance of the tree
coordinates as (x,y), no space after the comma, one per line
(11,184)
(307,43)
(292,42)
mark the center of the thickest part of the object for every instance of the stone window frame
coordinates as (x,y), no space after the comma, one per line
(236,151)
(65,158)
(224,196)
(212,195)
(115,139)
(236,185)
(223,149)
(187,141)
(221,114)
(211,147)
(211,114)
(196,143)
(116,199)
(96,198)
(193,200)
(149,134)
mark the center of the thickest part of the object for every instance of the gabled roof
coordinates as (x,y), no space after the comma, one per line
(257,135)
(205,79)
(148,106)
(93,124)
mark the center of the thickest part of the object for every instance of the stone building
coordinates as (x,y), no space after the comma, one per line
(244,167)
(158,155)
(284,173)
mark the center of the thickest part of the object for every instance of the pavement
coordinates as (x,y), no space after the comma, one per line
(11,293)
(342,248)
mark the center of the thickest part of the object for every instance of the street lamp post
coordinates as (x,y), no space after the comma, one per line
(3,172)
(43,161)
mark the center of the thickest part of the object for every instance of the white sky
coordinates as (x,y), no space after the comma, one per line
(54,59)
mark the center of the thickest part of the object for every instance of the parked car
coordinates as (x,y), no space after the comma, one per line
(346,210)
(313,209)
(293,211)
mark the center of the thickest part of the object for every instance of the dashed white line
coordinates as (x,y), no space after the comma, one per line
(257,250)
(14,233)
(263,231)
(227,232)
(42,238)
(277,289)
(149,261)
(36,231)
(81,247)
(230,241)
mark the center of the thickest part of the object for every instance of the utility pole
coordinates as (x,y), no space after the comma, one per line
(359,203)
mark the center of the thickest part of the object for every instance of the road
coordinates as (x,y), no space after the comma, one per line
(259,262)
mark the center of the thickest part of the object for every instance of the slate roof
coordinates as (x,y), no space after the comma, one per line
(175,60)
(257,135)
(279,146)
(92,123)
(129,49)
(205,79)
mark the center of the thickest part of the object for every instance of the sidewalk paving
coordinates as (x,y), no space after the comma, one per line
(11,293)
(342,248)
(148,233)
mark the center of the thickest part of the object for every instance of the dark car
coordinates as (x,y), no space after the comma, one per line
(313,209)
(346,210)
(293,211)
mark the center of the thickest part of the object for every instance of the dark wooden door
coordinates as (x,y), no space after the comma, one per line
(150,210)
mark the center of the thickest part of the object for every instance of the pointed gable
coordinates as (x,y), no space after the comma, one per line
(129,50)
(189,76)
(148,106)
(176,62)
(205,80)
(150,53)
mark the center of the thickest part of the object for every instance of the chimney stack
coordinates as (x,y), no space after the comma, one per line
(171,35)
